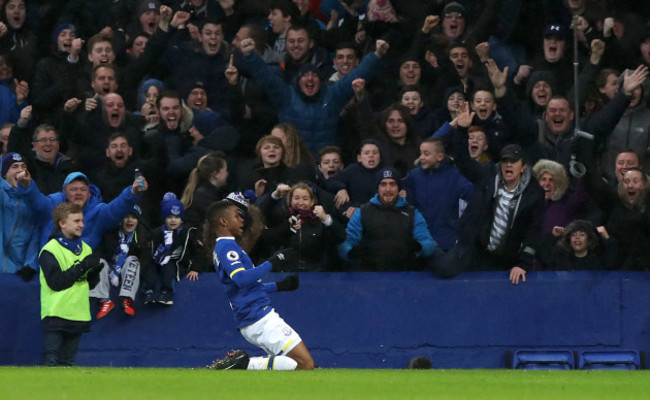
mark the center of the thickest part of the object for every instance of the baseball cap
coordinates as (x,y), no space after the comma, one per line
(75,176)
(512,152)
(555,30)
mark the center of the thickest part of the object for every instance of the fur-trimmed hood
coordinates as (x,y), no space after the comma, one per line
(559,174)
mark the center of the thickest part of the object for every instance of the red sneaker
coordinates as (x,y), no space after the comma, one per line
(128,306)
(105,308)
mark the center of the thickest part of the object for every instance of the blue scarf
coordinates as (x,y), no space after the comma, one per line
(122,251)
(163,253)
(73,245)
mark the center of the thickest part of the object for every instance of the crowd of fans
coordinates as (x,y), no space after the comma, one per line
(460,116)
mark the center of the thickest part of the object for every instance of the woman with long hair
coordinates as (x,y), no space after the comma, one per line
(206,184)
(296,151)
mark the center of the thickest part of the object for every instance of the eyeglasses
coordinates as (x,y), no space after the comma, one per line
(45,140)
(454,15)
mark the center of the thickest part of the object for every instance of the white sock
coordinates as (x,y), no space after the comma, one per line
(280,363)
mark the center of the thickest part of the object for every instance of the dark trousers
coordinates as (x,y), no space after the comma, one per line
(462,258)
(451,263)
(60,348)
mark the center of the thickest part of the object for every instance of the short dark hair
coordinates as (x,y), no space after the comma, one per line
(454,45)
(328,150)
(482,89)
(116,135)
(410,88)
(629,150)
(210,20)
(300,27)
(215,212)
(348,45)
(366,142)
(288,9)
(170,94)
(137,35)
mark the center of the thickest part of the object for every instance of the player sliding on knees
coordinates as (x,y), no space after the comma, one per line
(249,300)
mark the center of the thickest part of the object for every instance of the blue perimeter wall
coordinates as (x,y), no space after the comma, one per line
(361,320)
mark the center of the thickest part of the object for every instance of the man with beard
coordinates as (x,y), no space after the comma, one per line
(386,233)
(313,108)
(302,49)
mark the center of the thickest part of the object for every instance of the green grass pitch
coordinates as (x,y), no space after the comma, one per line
(173,383)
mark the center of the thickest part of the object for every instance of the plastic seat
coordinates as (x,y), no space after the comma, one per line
(609,359)
(548,359)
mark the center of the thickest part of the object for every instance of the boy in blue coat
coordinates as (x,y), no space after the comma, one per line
(437,188)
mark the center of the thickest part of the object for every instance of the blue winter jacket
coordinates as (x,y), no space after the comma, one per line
(435,192)
(354,231)
(9,110)
(317,118)
(99,217)
(20,245)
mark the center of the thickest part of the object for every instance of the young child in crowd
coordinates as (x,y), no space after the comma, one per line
(355,185)
(581,248)
(176,251)
(125,249)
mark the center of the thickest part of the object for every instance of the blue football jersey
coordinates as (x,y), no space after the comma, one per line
(248,298)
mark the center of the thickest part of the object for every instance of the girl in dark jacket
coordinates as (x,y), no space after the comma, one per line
(206,184)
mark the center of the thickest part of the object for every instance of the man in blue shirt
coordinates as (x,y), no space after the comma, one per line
(255,318)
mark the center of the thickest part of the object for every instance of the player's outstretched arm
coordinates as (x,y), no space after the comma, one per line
(244,277)
(288,284)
